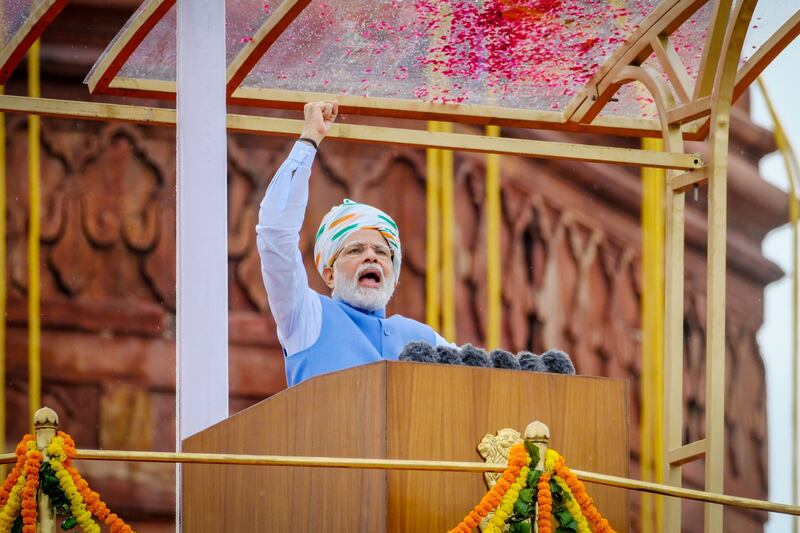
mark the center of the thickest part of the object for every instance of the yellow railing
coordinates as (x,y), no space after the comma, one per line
(34,230)
(397,464)
(652,383)
(401,464)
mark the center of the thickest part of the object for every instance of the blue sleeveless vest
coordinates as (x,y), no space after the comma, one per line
(352,337)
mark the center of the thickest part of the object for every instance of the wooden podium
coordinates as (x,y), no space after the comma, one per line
(396,410)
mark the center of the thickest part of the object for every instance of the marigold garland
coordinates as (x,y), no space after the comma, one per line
(506,508)
(10,510)
(545,500)
(33,463)
(597,523)
(506,493)
(65,447)
(18,495)
(517,459)
(573,507)
(11,480)
(76,503)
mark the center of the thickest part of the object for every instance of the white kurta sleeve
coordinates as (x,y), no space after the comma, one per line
(296,308)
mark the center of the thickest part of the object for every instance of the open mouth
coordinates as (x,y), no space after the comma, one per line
(371,278)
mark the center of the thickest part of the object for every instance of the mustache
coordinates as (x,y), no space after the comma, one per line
(370,268)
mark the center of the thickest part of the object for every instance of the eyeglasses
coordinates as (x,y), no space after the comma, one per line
(357,249)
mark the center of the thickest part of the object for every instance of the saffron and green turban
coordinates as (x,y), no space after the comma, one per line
(342,220)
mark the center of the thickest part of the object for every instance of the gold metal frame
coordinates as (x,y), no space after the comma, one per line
(712,448)
(16,48)
(368,134)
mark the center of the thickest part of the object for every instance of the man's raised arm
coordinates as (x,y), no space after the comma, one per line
(295,307)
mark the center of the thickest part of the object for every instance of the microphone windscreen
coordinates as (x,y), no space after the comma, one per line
(531,362)
(472,356)
(448,355)
(558,362)
(504,359)
(418,351)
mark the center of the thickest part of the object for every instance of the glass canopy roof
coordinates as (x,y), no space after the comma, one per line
(154,58)
(13,14)
(767,19)
(21,23)
(479,58)
(529,55)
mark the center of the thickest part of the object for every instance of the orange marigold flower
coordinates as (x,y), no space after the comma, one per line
(545,500)
(91,499)
(517,458)
(593,516)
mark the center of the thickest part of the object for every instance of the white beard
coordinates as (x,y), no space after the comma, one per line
(348,290)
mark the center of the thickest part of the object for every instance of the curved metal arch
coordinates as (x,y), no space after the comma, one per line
(662,97)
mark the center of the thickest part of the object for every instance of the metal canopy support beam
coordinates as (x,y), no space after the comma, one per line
(202,235)
(370,134)
(720,58)
(673,66)
(722,97)
(16,48)
(712,48)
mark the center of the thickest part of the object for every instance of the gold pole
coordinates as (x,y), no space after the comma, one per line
(433,290)
(716,271)
(789,160)
(3,286)
(494,290)
(45,423)
(448,242)
(34,230)
(651,424)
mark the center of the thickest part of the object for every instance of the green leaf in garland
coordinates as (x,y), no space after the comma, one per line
(566,520)
(533,451)
(562,529)
(555,488)
(17,526)
(533,479)
(69,523)
(520,527)
(52,487)
(521,508)
(526,495)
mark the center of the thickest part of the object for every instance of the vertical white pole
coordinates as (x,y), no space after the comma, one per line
(202,258)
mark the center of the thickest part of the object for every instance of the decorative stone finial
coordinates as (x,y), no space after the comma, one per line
(45,418)
(537,432)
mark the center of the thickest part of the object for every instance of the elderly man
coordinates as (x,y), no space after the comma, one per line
(357,252)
